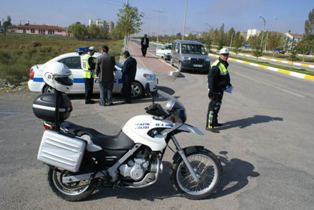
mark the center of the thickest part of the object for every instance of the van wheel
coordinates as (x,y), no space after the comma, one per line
(48,89)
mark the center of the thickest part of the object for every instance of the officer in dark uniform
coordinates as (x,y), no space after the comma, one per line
(128,75)
(218,82)
(144,45)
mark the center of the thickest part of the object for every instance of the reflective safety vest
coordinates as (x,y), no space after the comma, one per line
(87,73)
(222,69)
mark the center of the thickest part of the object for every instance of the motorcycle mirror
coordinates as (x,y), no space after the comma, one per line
(150,92)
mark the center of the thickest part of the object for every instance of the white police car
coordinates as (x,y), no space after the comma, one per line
(74,62)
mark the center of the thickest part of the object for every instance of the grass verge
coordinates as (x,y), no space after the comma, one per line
(18,52)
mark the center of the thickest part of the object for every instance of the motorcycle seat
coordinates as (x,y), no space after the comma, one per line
(117,142)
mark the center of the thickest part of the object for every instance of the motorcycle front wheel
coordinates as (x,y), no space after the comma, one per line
(206,167)
(74,191)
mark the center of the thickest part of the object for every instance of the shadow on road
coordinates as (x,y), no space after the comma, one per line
(236,174)
(162,189)
(195,72)
(243,123)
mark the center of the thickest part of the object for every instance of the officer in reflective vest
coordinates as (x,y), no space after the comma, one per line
(88,62)
(218,82)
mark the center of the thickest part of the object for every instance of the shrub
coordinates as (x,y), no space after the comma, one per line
(36,44)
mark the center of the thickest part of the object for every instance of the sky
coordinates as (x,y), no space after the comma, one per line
(167,16)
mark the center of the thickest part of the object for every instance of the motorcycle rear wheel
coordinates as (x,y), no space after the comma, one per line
(75,191)
(206,167)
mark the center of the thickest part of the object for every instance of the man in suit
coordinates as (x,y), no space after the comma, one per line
(128,75)
(104,69)
(144,45)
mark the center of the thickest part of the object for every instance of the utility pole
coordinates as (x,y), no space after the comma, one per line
(158,21)
(232,35)
(126,35)
(264,21)
(186,8)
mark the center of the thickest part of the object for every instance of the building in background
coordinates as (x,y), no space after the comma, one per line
(252,32)
(292,39)
(38,29)
(108,25)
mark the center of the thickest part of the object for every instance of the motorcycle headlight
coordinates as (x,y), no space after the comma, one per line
(150,77)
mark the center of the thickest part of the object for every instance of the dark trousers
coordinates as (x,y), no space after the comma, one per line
(126,90)
(213,109)
(144,50)
(105,92)
(89,85)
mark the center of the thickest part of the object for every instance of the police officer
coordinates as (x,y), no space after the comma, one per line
(89,74)
(218,82)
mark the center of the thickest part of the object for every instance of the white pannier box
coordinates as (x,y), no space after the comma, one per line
(61,151)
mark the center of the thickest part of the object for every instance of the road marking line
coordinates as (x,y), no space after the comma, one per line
(272,68)
(277,60)
(282,71)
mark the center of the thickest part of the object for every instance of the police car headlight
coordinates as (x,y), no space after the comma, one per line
(207,59)
(150,77)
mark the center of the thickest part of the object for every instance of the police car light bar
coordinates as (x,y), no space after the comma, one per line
(81,50)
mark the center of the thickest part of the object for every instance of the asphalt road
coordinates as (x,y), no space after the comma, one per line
(266,145)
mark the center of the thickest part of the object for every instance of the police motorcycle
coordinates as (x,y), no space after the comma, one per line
(81,159)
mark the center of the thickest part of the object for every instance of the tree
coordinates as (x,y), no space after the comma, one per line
(238,41)
(95,32)
(78,30)
(230,37)
(6,24)
(207,41)
(275,40)
(221,36)
(255,42)
(309,24)
(305,46)
(129,21)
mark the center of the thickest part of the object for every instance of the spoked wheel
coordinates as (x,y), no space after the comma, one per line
(74,191)
(206,167)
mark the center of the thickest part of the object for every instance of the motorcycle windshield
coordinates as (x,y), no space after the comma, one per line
(172,103)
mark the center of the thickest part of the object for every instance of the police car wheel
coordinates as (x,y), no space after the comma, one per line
(48,89)
(137,90)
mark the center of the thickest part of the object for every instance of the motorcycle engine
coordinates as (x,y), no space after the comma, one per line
(135,168)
